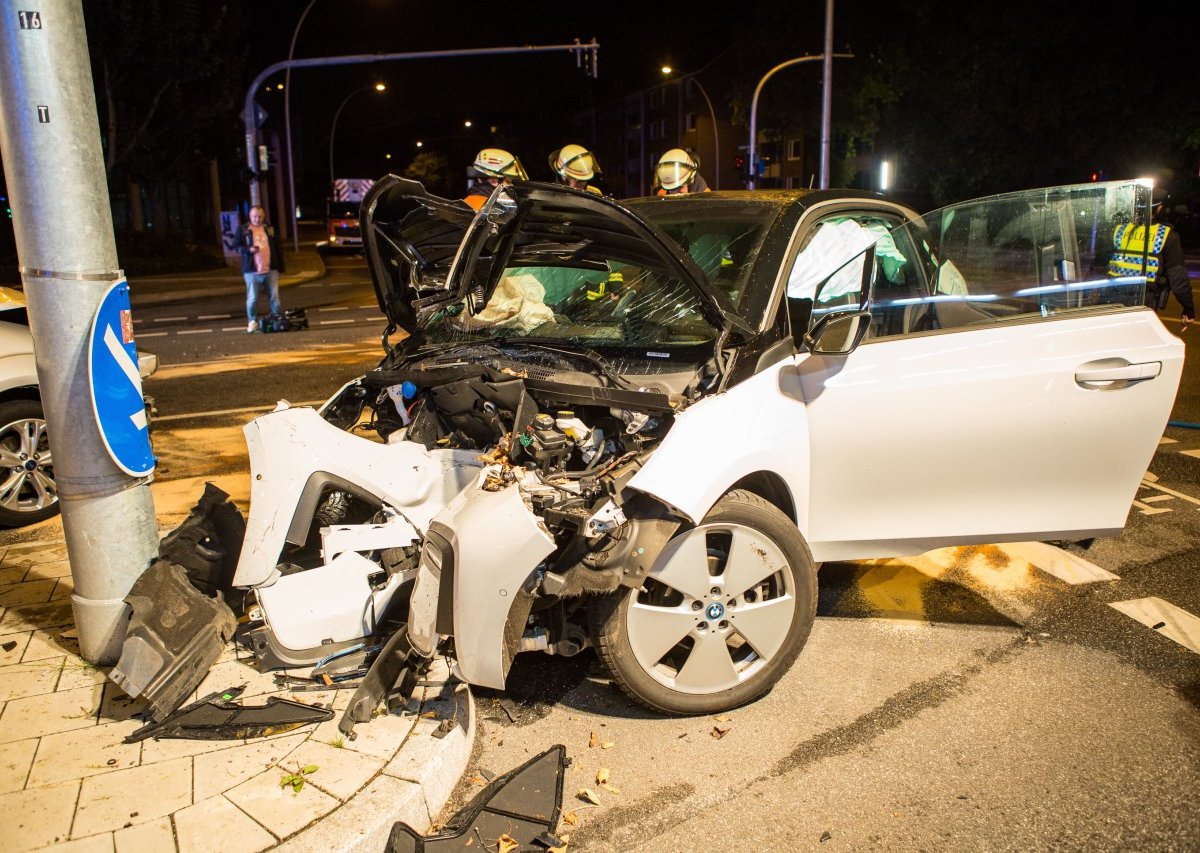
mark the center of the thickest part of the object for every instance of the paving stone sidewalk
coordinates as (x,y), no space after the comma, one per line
(67,782)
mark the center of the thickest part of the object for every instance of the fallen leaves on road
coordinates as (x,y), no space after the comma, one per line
(570,818)
(588,796)
(602,781)
(720,731)
(506,843)
(595,741)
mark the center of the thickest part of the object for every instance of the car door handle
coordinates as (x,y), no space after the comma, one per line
(1116,370)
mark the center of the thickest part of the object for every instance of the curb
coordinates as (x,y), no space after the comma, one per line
(175,794)
(415,784)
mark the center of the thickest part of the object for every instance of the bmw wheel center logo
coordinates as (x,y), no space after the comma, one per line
(715,610)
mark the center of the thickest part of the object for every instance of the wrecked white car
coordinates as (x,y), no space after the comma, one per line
(641,426)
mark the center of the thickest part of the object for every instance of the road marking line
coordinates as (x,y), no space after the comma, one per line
(1165,490)
(369,305)
(1195,453)
(194,332)
(152,334)
(329,284)
(333,322)
(220,412)
(1146,509)
(231,329)
(1157,498)
(1165,440)
(336,308)
(169,319)
(214,316)
(1164,618)
(1061,564)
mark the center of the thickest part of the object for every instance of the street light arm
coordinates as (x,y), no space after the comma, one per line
(333,128)
(716,137)
(811,57)
(287,122)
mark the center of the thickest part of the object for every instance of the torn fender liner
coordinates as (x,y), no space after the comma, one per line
(397,668)
(174,636)
(524,803)
(208,542)
(215,717)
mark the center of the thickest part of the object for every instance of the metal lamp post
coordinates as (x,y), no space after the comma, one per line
(287,131)
(667,70)
(378,87)
(757,89)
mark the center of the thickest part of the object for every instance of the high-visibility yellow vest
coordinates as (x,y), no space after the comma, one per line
(1129,243)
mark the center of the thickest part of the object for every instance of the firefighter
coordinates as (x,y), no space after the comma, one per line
(575,167)
(494,166)
(678,173)
(1166,272)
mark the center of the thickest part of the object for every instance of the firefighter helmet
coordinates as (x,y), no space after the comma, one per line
(498,163)
(573,162)
(676,168)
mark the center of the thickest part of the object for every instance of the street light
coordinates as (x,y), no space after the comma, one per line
(757,89)
(378,87)
(667,70)
(287,128)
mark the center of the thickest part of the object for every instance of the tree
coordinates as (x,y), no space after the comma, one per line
(168,77)
(432,170)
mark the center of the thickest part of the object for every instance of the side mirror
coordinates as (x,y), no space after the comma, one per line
(839,333)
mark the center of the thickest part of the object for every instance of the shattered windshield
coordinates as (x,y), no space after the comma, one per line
(611,290)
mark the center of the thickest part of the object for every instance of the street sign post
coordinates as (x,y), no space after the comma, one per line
(117,385)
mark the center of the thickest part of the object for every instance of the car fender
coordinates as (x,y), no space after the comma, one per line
(760,424)
(17,371)
(496,542)
(294,453)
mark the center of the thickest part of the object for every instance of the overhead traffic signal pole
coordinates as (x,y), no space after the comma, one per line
(591,49)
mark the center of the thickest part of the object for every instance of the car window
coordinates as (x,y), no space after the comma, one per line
(832,260)
(1028,256)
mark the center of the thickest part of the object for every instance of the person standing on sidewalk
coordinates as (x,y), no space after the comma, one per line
(262,262)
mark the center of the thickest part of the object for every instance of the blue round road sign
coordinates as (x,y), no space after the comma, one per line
(117,384)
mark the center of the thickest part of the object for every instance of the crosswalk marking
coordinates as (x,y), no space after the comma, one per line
(1164,618)
(1147,483)
(1165,440)
(1061,564)
(1195,453)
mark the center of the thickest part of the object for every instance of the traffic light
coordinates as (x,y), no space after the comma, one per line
(739,166)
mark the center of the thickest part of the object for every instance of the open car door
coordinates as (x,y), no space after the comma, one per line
(1022,397)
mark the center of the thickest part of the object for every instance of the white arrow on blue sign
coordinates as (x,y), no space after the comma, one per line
(117,384)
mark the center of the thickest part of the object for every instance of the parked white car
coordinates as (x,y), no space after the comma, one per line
(641,426)
(28,493)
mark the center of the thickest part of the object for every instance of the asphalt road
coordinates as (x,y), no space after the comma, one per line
(967,700)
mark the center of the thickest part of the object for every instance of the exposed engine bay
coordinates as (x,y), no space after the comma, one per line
(530,418)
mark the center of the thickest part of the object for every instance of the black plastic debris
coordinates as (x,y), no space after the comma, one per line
(523,804)
(208,542)
(9,646)
(395,670)
(175,634)
(217,717)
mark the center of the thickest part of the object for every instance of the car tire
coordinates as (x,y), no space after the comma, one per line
(26,495)
(688,610)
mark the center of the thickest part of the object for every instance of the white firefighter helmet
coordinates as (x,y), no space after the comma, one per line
(573,161)
(676,168)
(498,163)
